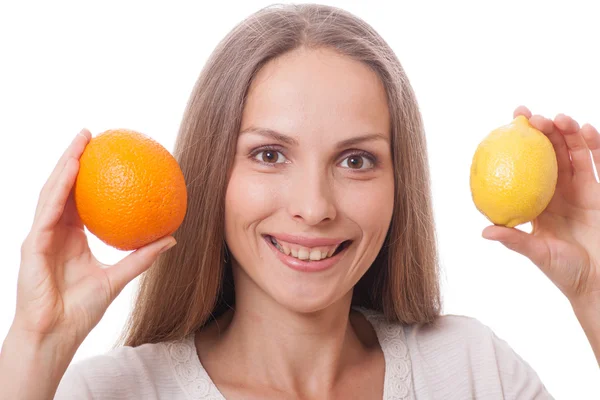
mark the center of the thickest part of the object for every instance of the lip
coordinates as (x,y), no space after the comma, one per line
(306,266)
(307,241)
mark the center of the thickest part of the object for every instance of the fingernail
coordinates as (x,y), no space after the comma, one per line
(82,133)
(167,246)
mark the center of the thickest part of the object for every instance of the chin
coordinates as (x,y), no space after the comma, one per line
(306,307)
(304,298)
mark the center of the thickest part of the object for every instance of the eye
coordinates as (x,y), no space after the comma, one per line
(270,156)
(359,161)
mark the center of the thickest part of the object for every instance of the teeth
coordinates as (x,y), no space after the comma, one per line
(281,248)
(315,255)
(304,253)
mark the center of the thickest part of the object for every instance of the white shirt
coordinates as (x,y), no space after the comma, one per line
(457,357)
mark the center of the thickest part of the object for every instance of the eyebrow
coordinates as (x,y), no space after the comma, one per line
(280,137)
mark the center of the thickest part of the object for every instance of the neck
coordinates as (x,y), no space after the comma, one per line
(296,352)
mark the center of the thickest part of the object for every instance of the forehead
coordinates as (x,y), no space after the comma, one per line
(309,89)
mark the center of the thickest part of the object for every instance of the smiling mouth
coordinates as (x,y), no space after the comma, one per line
(308,254)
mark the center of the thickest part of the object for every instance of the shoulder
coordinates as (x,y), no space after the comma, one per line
(450,329)
(445,327)
(456,340)
(458,356)
(458,348)
(126,372)
(444,332)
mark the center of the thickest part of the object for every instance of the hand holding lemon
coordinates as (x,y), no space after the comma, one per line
(542,170)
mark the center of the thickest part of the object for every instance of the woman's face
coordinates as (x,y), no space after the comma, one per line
(313,173)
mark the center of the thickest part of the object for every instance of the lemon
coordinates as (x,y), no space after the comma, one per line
(513,174)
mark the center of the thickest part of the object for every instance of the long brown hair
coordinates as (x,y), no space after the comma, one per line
(192,282)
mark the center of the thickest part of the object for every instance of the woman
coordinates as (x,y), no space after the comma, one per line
(315,276)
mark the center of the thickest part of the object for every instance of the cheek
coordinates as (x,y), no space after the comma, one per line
(249,198)
(369,205)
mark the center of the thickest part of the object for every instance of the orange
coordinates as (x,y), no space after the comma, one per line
(130,190)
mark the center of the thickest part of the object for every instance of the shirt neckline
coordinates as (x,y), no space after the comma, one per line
(198,385)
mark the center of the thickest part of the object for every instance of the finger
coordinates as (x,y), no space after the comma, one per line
(52,210)
(580,153)
(74,150)
(136,263)
(523,243)
(522,110)
(592,139)
(547,127)
(70,214)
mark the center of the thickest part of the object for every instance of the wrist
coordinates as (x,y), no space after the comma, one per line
(63,342)
(587,311)
(25,354)
(586,306)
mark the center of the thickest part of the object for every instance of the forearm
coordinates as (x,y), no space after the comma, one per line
(30,367)
(588,314)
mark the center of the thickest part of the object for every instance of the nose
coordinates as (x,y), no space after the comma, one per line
(311,196)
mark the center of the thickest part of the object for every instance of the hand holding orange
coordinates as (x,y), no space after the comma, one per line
(63,289)
(130,191)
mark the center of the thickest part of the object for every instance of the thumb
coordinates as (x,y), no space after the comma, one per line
(136,263)
(523,243)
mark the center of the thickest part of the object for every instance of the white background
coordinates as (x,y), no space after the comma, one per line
(101,65)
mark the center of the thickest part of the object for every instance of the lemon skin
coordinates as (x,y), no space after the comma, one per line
(513,174)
